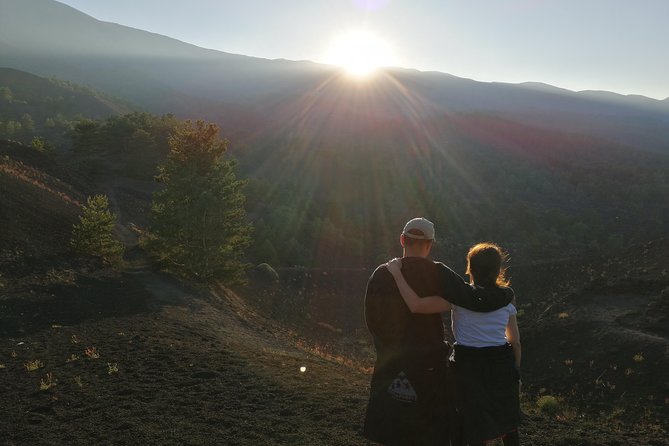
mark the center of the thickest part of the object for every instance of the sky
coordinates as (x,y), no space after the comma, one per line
(613,45)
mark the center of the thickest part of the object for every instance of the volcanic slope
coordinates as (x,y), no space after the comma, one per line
(139,358)
(94,356)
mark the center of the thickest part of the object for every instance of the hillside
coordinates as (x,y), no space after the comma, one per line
(49,108)
(178,364)
(530,166)
(37,208)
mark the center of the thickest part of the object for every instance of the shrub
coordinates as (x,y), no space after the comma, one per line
(94,233)
(548,405)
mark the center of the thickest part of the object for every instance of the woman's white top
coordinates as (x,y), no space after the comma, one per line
(474,329)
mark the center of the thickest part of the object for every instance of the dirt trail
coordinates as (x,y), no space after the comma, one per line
(128,217)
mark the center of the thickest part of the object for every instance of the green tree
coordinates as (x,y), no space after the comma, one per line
(93,235)
(199,221)
(42,145)
(27,123)
(86,136)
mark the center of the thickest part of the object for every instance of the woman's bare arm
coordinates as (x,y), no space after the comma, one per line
(416,304)
(513,336)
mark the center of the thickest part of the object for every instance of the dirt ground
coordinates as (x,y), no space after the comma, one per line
(180,365)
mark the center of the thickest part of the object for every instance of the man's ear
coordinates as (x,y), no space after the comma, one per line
(402,240)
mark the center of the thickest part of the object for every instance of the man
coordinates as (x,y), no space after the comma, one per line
(409,400)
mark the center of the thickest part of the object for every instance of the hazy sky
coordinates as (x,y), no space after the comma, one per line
(615,45)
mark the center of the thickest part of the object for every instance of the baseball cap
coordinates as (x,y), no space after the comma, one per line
(419,228)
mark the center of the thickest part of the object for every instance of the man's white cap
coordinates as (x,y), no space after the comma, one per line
(419,228)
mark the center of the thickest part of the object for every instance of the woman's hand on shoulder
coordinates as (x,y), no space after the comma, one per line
(394,266)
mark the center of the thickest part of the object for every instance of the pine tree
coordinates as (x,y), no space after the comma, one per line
(94,233)
(199,222)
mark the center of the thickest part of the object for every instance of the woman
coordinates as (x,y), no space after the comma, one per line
(486,355)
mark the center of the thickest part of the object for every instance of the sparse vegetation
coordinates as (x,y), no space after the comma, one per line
(112,368)
(48,382)
(60,276)
(92,353)
(31,366)
(548,405)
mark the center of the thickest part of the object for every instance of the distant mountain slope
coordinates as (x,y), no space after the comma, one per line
(166,75)
(35,106)
(60,96)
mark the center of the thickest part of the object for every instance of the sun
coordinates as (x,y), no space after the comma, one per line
(360,53)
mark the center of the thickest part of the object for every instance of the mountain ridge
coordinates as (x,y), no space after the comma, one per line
(154,70)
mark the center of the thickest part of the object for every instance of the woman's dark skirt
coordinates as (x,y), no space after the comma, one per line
(486,387)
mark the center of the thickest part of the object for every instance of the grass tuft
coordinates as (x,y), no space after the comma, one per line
(548,405)
(48,382)
(31,366)
(92,353)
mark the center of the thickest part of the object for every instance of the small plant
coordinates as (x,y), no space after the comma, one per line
(112,368)
(548,405)
(568,362)
(638,357)
(2,366)
(629,371)
(92,353)
(31,366)
(49,382)
(13,354)
(617,412)
(563,315)
(60,276)
(78,381)
(74,339)
(72,358)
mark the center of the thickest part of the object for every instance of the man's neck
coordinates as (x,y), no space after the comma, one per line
(410,253)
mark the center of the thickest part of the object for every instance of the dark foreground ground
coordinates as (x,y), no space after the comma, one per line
(181,366)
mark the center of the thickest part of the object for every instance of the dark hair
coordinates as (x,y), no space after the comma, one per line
(486,265)
(415,242)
